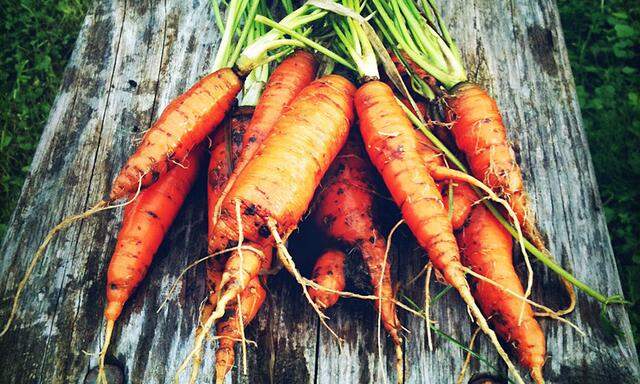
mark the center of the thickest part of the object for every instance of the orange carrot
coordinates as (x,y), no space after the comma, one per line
(145,224)
(487,249)
(393,148)
(345,213)
(229,331)
(287,80)
(480,134)
(278,184)
(328,272)
(184,123)
(146,221)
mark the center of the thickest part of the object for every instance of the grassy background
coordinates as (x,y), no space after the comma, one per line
(603,39)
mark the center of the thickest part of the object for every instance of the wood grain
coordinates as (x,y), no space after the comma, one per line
(131,58)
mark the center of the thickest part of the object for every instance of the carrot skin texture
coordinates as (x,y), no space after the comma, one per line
(481,135)
(285,83)
(280,180)
(228,330)
(147,220)
(487,249)
(184,123)
(344,212)
(328,272)
(227,146)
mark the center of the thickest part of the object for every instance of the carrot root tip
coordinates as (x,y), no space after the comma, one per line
(108,332)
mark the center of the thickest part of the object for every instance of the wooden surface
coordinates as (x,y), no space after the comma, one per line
(131,58)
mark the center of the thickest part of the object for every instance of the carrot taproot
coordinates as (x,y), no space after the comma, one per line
(278,184)
(392,146)
(344,212)
(184,123)
(145,224)
(230,330)
(486,248)
(480,134)
(288,79)
(328,272)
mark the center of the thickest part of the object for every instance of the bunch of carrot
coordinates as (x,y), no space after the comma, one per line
(294,127)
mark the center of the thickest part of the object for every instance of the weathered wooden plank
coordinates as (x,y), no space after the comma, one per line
(131,59)
(42,347)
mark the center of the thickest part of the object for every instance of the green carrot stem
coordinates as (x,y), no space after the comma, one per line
(303,39)
(245,31)
(227,35)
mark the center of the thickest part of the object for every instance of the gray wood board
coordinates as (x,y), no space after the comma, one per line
(131,58)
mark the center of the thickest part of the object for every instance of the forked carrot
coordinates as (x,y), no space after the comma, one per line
(344,212)
(231,329)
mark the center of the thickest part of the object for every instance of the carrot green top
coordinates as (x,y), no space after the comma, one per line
(422,36)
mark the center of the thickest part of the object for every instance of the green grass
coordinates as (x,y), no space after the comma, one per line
(603,37)
(36,40)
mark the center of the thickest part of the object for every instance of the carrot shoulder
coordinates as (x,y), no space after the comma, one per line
(184,123)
